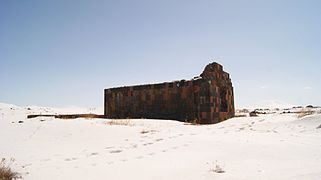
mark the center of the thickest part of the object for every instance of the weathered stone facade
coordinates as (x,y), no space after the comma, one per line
(206,99)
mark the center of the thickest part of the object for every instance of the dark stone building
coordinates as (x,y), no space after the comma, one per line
(206,99)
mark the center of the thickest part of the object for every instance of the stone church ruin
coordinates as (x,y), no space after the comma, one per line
(206,99)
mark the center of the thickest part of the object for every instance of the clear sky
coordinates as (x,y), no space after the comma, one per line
(65,52)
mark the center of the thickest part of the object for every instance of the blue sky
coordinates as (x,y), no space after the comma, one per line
(58,53)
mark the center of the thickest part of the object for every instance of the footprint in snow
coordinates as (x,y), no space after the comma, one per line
(115,151)
(46,160)
(135,146)
(175,147)
(172,137)
(93,154)
(26,165)
(242,128)
(124,160)
(71,159)
(147,144)
(157,140)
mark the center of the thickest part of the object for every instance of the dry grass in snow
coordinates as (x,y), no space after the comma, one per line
(120,122)
(6,173)
(305,113)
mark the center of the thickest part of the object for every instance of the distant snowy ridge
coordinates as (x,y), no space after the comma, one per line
(53,110)
(5,105)
(270,104)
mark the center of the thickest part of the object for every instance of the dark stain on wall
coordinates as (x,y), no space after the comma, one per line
(206,99)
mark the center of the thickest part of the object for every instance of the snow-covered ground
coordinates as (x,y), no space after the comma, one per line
(270,146)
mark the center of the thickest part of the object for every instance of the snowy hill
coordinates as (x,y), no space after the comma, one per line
(270,104)
(270,146)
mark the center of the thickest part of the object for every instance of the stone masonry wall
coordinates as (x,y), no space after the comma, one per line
(207,99)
